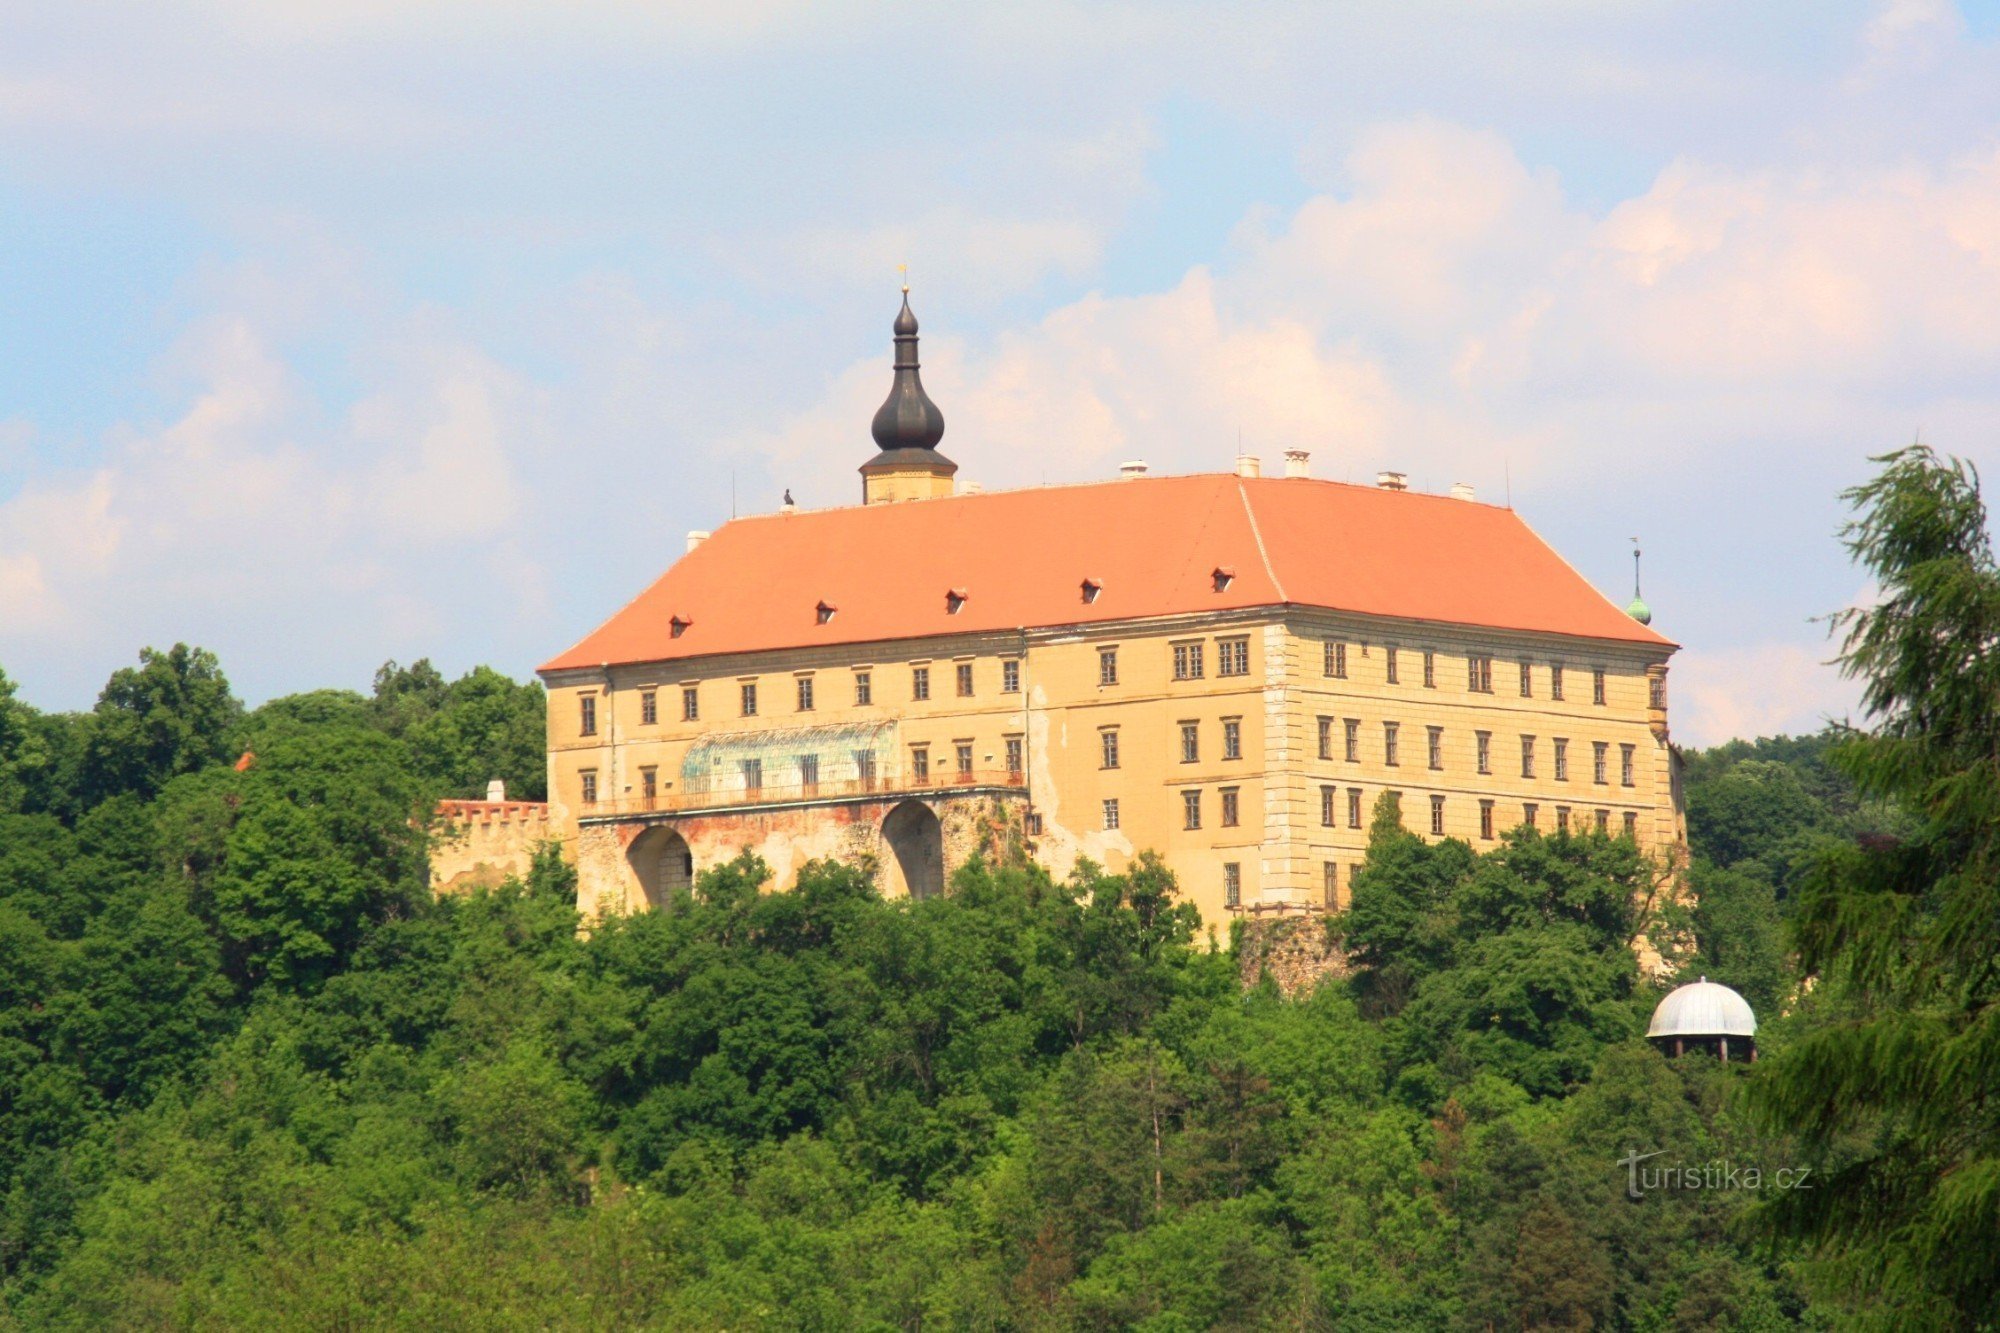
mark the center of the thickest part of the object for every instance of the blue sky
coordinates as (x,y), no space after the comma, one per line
(339,330)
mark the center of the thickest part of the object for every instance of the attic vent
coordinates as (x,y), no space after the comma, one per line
(953,600)
(678,626)
(824,611)
(1224,575)
(1091,587)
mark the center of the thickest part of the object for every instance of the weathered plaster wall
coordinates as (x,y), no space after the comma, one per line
(478,844)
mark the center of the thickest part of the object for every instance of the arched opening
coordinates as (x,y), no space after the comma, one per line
(664,864)
(915,843)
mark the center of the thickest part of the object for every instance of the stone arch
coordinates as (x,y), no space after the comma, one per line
(914,841)
(664,863)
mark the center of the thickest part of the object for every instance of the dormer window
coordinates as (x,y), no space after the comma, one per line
(954,600)
(678,626)
(823,613)
(1091,587)
(1224,575)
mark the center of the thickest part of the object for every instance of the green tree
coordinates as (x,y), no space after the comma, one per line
(172,714)
(1893,1091)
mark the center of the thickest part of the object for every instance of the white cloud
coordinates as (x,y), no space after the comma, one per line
(1760,689)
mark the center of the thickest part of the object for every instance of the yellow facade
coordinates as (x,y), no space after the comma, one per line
(1293,668)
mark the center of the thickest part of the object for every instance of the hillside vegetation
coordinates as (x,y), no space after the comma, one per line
(252,1076)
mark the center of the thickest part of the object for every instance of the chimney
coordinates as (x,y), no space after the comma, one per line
(1392,481)
(1296,461)
(1249,465)
(696,538)
(496,790)
(1133,470)
(971,488)
(1461,490)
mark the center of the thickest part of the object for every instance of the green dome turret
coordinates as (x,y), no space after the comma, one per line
(1640,612)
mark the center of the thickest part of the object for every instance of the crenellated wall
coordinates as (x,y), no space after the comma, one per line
(478,844)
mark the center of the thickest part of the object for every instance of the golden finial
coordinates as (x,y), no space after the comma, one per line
(904,269)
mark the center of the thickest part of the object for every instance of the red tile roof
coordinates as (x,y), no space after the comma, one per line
(1020,559)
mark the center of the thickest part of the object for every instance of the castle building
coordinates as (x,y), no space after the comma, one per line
(1228,669)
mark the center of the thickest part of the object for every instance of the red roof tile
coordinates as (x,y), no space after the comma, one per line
(1152,544)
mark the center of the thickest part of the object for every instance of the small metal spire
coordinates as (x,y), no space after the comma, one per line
(1638,610)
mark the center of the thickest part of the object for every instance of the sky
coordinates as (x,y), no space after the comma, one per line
(338,331)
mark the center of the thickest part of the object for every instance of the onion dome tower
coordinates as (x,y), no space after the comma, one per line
(907,429)
(1707,1016)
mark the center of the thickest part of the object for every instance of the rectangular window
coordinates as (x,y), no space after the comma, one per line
(1437,816)
(1190,809)
(1190,742)
(1483,747)
(1329,885)
(965,680)
(963,752)
(864,689)
(649,708)
(1562,819)
(1108,741)
(690,704)
(920,682)
(1430,670)
(809,773)
(1107,666)
(1603,821)
(1326,807)
(1389,735)
(748,695)
(588,781)
(1626,778)
(1353,725)
(1597,685)
(1599,762)
(1434,745)
(1111,812)
(1479,673)
(1562,758)
(1656,691)
(1188,661)
(1232,738)
(1527,756)
(1232,884)
(753,775)
(1556,681)
(1232,657)
(1531,814)
(586,721)
(1229,807)
(864,768)
(1017,756)
(1034,823)
(649,784)
(1486,820)
(1336,660)
(1326,738)
(1010,676)
(1354,807)
(1527,679)
(920,765)
(1389,663)
(1632,825)
(805,694)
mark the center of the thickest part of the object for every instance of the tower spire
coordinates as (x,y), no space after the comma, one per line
(907,427)
(907,419)
(1638,610)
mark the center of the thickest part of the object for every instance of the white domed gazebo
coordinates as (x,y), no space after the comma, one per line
(1705,1014)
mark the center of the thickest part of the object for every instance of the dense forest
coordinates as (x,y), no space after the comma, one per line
(252,1075)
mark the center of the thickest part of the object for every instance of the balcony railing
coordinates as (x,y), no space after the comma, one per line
(726,795)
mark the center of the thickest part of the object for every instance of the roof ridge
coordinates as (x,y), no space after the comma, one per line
(1257,533)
